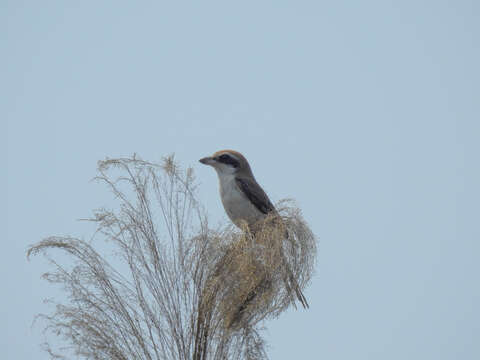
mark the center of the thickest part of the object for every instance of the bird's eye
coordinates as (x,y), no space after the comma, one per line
(229,160)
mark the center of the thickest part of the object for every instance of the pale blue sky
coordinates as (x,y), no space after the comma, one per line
(366,112)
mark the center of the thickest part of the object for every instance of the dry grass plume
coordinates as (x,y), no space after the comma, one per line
(177,289)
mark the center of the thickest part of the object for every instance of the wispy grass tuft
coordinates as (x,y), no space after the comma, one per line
(179,289)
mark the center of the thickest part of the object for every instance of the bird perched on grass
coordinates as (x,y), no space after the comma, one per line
(245,202)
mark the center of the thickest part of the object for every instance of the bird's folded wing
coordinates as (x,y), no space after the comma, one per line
(255,194)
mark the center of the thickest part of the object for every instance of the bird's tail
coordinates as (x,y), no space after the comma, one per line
(263,285)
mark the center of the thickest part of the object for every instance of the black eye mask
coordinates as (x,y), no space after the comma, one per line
(227,159)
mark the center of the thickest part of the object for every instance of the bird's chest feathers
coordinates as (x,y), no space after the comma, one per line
(236,204)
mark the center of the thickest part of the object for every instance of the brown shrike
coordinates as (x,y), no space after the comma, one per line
(243,199)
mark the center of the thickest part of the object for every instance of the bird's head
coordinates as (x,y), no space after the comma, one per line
(228,162)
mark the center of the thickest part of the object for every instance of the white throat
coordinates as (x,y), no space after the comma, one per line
(226,179)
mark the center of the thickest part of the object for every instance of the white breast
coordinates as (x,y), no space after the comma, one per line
(236,204)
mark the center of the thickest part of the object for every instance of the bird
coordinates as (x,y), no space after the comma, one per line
(245,201)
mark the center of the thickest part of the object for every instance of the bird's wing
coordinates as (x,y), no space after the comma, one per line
(255,194)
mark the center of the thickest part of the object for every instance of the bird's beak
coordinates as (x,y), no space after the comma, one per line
(207,160)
